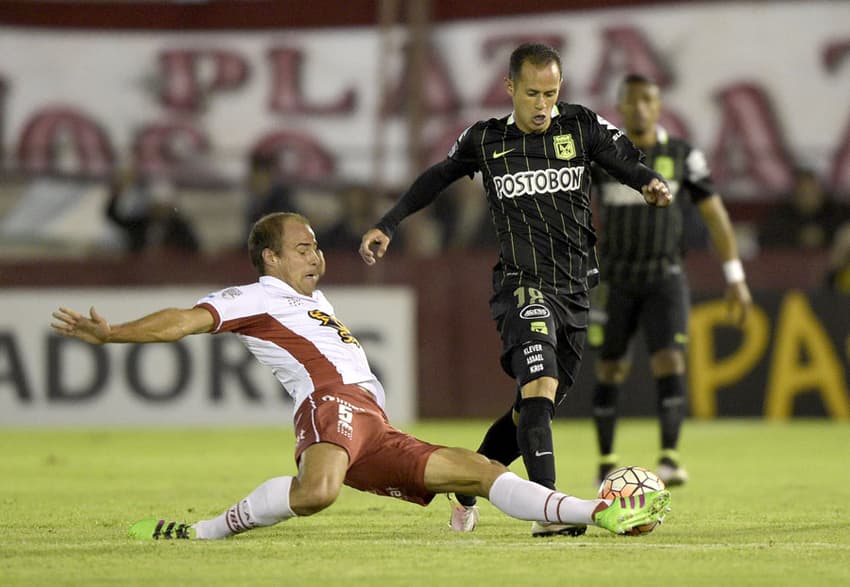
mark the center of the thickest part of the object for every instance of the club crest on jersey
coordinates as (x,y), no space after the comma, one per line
(565,147)
(328,320)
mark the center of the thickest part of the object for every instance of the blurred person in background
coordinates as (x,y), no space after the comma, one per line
(357,212)
(535,168)
(644,285)
(464,218)
(146,211)
(342,433)
(807,219)
(265,190)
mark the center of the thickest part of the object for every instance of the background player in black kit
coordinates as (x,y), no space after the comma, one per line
(535,165)
(644,283)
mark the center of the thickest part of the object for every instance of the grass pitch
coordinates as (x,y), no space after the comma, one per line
(768,504)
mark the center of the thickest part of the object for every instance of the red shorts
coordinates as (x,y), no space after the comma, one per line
(381,458)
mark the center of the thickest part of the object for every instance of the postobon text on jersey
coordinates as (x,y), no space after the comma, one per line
(542,181)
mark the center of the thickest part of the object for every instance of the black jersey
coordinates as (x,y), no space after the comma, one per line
(639,242)
(538,193)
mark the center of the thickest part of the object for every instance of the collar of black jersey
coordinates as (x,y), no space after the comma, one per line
(555,112)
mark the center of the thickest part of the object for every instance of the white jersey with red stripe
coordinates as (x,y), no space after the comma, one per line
(297,336)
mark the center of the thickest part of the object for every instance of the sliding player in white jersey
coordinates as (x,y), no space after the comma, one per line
(342,432)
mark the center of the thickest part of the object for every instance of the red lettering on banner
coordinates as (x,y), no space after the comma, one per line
(163,147)
(498,50)
(186,82)
(439,94)
(627,50)
(839,180)
(299,156)
(60,139)
(749,146)
(287,93)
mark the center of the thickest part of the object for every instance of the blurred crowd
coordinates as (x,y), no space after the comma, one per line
(141,214)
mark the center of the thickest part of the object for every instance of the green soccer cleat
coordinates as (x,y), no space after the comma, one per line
(154,529)
(636,514)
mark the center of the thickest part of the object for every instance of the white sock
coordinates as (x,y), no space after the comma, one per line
(267,505)
(530,501)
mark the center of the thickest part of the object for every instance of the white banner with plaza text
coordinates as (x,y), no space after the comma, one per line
(760,87)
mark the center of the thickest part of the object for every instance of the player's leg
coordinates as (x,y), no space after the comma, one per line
(610,375)
(665,326)
(461,470)
(322,452)
(612,367)
(317,485)
(522,317)
(321,472)
(499,444)
(534,426)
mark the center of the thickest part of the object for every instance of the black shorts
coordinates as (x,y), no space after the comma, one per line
(542,334)
(659,308)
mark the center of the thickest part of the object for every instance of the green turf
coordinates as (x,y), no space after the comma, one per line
(769,504)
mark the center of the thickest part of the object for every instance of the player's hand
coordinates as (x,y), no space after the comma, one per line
(657,193)
(373,246)
(738,302)
(94,330)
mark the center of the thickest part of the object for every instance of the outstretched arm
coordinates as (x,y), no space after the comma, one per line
(738,298)
(162,326)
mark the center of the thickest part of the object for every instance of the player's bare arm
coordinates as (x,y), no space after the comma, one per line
(657,193)
(162,326)
(373,245)
(738,297)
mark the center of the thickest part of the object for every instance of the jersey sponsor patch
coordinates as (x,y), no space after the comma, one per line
(331,322)
(539,328)
(541,181)
(534,312)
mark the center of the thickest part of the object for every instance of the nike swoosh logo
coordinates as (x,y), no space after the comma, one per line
(497,154)
(537,453)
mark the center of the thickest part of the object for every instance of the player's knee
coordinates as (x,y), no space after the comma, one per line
(313,498)
(667,362)
(540,387)
(612,372)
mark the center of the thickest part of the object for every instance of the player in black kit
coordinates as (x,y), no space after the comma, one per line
(535,165)
(644,283)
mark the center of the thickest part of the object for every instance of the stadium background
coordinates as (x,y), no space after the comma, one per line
(189,90)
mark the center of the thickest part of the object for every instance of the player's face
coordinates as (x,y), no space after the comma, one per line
(640,106)
(534,94)
(300,262)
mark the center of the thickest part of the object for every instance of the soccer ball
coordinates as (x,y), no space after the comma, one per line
(628,481)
